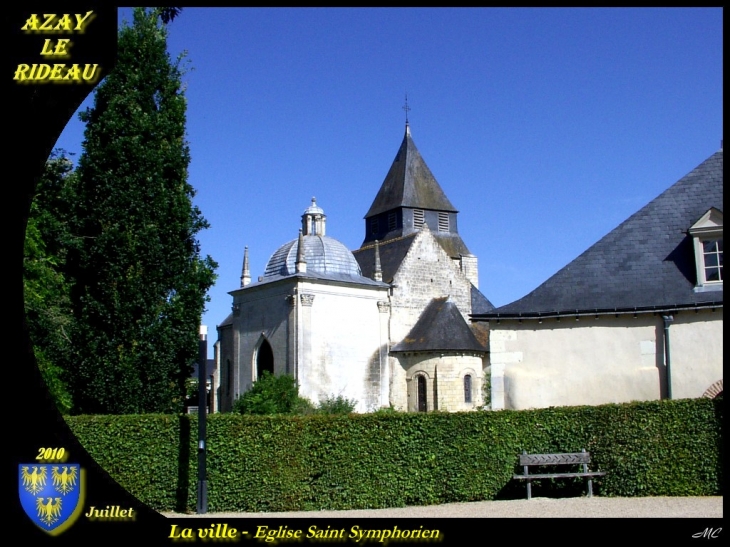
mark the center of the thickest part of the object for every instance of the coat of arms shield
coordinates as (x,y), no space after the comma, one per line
(51,494)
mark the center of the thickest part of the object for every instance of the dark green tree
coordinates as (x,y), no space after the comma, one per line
(139,281)
(273,395)
(46,286)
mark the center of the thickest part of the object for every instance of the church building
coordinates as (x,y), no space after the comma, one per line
(386,324)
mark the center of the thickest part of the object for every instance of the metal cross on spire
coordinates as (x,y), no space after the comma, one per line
(406,108)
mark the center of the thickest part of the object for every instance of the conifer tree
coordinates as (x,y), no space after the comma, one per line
(139,281)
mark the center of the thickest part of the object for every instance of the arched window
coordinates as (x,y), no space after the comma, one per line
(421,400)
(264,359)
(467,388)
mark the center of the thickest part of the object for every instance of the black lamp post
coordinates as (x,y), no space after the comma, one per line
(202,505)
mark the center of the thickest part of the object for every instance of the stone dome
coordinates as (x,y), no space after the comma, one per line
(323,254)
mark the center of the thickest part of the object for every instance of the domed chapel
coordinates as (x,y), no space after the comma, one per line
(386,324)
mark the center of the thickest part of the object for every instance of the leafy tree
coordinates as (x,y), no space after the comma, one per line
(167,14)
(280,395)
(336,405)
(272,394)
(46,287)
(140,282)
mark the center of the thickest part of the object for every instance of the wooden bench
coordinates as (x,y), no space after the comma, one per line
(581,458)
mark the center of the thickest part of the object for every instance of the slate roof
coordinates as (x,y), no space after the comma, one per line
(322,253)
(409,183)
(452,244)
(647,262)
(392,253)
(440,328)
(209,369)
(322,276)
(479,302)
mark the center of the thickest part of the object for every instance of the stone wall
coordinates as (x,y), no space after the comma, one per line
(226,375)
(330,336)
(444,375)
(606,360)
(426,272)
(470,269)
(696,350)
(263,315)
(345,340)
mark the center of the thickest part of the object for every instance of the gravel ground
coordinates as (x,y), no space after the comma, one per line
(655,507)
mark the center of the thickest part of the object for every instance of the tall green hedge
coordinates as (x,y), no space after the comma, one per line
(286,463)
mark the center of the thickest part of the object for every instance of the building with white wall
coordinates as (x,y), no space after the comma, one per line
(637,316)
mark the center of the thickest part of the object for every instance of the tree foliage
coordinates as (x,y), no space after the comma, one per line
(336,405)
(280,395)
(46,287)
(139,281)
(273,395)
(168,14)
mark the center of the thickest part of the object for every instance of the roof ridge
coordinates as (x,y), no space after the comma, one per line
(386,242)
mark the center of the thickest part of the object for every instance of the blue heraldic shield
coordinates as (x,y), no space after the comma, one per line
(51,494)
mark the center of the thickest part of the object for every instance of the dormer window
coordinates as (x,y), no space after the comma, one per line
(712,257)
(707,239)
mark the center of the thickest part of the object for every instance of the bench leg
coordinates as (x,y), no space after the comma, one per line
(529,490)
(590,479)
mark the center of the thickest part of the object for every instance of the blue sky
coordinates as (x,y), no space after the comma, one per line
(546,128)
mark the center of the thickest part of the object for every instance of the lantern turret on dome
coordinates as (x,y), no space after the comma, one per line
(313,253)
(313,220)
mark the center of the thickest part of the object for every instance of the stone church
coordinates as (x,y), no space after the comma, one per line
(386,324)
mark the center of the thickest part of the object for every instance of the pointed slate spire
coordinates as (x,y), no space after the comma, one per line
(301,263)
(409,183)
(408,198)
(245,273)
(377,270)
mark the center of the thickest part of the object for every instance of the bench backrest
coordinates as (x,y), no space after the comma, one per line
(555,459)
